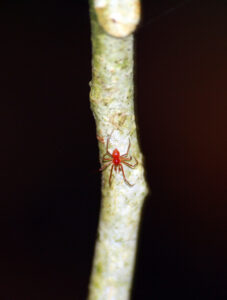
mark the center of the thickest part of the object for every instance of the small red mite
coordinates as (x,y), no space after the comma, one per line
(117,160)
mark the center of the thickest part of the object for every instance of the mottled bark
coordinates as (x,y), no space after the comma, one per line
(112,103)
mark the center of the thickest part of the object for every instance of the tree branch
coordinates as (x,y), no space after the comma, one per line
(112,104)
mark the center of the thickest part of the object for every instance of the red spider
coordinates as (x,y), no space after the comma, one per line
(117,160)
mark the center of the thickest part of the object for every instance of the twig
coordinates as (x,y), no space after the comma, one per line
(112,104)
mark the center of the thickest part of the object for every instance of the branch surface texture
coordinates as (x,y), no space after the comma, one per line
(111,99)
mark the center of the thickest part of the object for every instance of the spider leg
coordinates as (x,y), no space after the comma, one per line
(107,154)
(107,145)
(106,159)
(105,166)
(130,165)
(111,171)
(122,169)
(129,145)
(122,157)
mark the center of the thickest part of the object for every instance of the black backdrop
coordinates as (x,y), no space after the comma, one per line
(50,184)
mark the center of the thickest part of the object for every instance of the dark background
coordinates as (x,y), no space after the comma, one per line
(50,184)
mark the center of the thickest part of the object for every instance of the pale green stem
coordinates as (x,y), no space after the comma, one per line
(112,104)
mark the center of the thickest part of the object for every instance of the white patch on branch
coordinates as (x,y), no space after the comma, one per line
(119,18)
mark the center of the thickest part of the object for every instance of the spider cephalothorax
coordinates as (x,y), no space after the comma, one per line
(116,160)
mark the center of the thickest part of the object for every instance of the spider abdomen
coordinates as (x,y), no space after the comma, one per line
(116,160)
